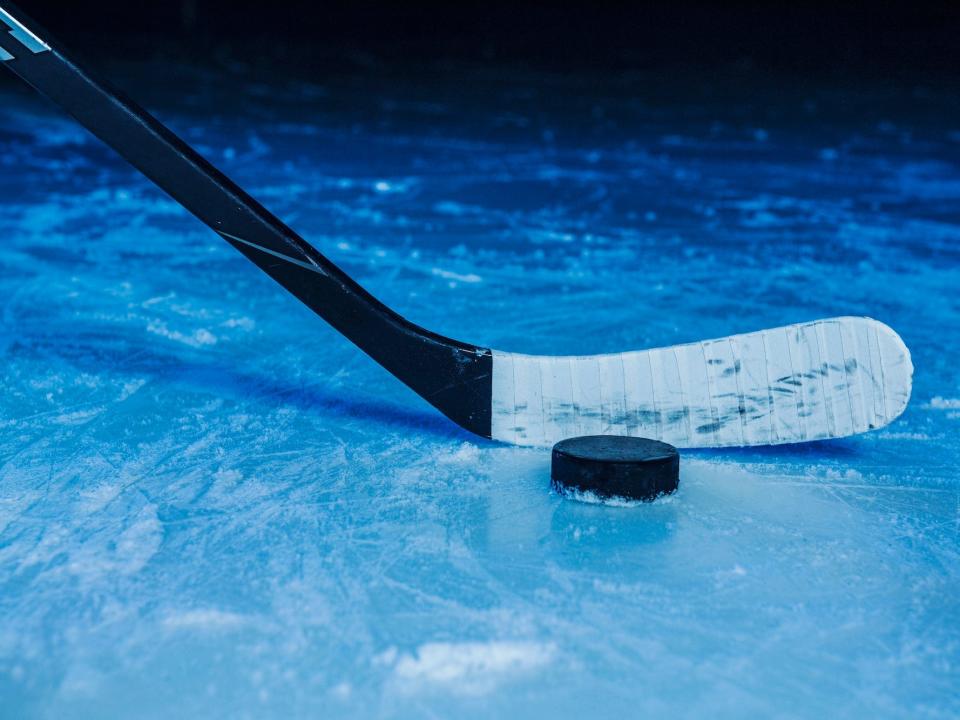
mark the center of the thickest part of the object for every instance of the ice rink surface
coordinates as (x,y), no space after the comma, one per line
(211,505)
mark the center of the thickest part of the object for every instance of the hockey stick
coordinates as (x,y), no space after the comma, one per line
(828,378)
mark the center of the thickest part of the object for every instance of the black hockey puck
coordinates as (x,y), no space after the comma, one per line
(611,466)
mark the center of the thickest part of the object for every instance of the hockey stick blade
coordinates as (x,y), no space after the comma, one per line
(811,381)
(828,378)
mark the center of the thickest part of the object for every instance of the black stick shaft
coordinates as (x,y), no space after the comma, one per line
(453,376)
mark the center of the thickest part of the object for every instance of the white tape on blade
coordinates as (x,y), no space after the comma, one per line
(828,378)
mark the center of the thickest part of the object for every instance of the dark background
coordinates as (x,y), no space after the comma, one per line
(917,39)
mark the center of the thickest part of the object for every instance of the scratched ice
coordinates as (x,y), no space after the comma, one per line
(211,504)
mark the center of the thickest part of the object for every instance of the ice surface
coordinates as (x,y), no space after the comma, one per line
(213,505)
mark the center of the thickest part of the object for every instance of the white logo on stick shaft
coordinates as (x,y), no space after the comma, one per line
(24,36)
